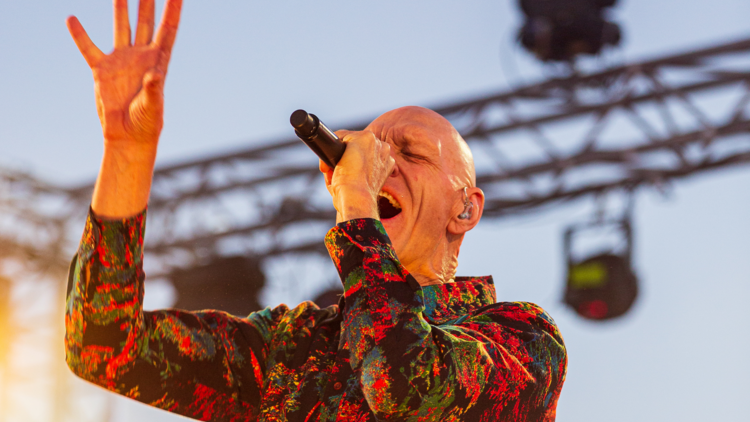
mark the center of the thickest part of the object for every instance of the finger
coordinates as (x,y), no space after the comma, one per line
(342,133)
(323,167)
(385,148)
(168,31)
(90,52)
(327,171)
(388,161)
(390,165)
(122,24)
(145,29)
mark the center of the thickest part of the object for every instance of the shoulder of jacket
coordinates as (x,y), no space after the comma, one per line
(524,316)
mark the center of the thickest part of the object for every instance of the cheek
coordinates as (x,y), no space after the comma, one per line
(437,206)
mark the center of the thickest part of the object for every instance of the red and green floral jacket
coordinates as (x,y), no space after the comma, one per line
(392,350)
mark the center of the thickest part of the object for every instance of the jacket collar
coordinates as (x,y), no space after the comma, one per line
(449,301)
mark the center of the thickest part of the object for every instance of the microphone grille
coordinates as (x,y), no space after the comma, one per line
(303,122)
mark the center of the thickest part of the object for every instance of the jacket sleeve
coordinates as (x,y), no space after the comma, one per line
(206,365)
(507,360)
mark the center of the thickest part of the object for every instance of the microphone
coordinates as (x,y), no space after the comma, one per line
(324,143)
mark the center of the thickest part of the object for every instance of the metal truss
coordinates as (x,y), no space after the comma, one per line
(33,221)
(643,124)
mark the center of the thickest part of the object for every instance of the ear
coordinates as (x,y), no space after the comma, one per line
(459,226)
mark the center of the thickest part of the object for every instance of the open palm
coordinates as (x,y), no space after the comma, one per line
(129,82)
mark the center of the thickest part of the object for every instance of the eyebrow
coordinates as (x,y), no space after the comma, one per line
(405,143)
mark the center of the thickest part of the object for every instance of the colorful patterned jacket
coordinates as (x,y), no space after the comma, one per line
(392,351)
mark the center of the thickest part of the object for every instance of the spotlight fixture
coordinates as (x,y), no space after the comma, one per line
(229,284)
(603,286)
(560,30)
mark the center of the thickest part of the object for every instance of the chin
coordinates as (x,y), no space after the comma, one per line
(393,225)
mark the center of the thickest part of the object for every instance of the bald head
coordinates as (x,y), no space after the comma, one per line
(425,205)
(412,125)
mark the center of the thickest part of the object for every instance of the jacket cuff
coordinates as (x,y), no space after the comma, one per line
(348,240)
(353,242)
(365,233)
(117,243)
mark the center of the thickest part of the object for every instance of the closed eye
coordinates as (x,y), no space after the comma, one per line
(415,157)
(418,159)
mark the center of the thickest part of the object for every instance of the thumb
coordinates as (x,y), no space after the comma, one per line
(327,172)
(341,133)
(153,85)
(147,109)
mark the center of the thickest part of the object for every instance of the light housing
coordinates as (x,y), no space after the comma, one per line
(560,30)
(602,286)
(230,284)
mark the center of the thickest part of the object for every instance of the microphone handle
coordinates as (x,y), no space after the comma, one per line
(321,140)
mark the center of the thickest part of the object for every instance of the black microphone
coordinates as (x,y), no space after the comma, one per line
(324,143)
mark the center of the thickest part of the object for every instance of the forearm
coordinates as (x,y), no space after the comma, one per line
(161,358)
(124,183)
(105,293)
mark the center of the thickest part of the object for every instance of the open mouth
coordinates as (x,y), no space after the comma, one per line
(388,207)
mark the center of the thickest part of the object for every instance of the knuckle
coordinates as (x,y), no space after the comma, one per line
(342,132)
(368,136)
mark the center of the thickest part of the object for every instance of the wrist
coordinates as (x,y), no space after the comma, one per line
(124,183)
(355,203)
(128,151)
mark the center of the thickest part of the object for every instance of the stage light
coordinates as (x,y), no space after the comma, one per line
(603,286)
(560,30)
(229,284)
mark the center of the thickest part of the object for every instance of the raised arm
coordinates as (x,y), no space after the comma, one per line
(129,88)
(206,365)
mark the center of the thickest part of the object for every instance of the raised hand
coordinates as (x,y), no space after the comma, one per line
(129,82)
(129,86)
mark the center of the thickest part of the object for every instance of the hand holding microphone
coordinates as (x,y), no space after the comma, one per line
(359,174)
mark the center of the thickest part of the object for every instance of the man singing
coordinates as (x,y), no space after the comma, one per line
(408,341)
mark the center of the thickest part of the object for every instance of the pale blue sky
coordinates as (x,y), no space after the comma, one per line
(239,68)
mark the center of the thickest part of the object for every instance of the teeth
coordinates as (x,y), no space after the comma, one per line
(390,199)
